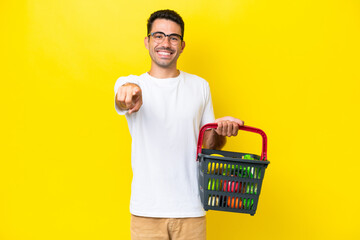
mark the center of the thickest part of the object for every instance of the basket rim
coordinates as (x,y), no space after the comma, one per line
(233,159)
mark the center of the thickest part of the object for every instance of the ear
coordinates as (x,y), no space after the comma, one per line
(182,46)
(146,42)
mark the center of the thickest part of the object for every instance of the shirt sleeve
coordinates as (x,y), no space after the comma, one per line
(208,115)
(119,82)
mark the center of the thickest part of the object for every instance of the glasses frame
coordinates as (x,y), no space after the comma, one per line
(166,35)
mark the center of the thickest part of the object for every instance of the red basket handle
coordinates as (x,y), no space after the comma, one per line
(244,128)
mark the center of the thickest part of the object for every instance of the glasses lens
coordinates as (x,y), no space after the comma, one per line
(158,37)
(174,39)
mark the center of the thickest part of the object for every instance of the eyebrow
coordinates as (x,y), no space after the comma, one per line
(168,34)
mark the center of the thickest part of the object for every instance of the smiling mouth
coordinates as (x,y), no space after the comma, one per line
(164,53)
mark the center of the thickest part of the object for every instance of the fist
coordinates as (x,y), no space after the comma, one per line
(129,97)
(228,126)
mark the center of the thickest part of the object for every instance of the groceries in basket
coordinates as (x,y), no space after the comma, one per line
(231,181)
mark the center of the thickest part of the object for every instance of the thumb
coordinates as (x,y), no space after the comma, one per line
(232,119)
(136,92)
(136,95)
(240,122)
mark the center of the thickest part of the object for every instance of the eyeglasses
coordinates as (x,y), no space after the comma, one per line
(159,37)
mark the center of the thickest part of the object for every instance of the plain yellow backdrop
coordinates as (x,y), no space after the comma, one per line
(290,68)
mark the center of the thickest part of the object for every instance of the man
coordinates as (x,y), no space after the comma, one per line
(165,109)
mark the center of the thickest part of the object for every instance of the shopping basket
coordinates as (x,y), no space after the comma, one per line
(231,183)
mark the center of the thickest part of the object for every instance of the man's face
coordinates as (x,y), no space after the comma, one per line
(164,54)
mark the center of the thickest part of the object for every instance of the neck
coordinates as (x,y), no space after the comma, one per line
(159,72)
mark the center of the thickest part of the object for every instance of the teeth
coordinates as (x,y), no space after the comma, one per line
(164,53)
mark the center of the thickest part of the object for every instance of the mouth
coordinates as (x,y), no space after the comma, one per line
(164,53)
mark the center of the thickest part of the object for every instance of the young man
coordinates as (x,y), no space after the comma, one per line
(165,109)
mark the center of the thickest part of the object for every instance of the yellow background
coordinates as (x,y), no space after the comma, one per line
(290,68)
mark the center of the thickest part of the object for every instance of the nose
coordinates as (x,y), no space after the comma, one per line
(166,41)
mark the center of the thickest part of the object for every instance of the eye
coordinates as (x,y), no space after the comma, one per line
(158,36)
(174,38)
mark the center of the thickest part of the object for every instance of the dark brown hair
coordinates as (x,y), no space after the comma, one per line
(165,14)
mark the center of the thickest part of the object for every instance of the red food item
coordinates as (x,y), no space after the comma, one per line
(231,186)
(224,186)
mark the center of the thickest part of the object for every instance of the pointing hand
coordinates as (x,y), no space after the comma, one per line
(129,97)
